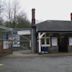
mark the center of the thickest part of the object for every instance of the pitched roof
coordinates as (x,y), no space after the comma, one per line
(4,28)
(54,25)
(21,29)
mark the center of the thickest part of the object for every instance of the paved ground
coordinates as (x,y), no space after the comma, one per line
(28,53)
(36,64)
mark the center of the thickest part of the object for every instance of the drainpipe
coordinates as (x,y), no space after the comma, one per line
(33,32)
(71,16)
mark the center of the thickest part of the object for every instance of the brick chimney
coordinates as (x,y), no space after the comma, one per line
(71,16)
(33,16)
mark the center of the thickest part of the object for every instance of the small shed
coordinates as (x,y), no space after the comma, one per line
(51,36)
(54,36)
(21,38)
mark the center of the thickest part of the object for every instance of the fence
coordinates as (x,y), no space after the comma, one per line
(5,43)
(21,42)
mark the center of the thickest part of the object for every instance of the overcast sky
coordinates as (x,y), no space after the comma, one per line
(48,9)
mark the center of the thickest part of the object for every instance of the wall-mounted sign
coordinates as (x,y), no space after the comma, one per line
(54,41)
(5,44)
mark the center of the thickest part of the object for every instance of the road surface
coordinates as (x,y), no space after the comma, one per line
(36,64)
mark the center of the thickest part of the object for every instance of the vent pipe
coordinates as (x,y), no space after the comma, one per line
(33,32)
(71,16)
(33,16)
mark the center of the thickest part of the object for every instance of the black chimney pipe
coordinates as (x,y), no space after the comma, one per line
(71,16)
(33,33)
(33,16)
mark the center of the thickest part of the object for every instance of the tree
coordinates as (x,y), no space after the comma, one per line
(1,6)
(16,19)
(20,22)
(9,9)
(1,11)
(15,12)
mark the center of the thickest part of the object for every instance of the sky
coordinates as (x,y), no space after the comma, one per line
(47,9)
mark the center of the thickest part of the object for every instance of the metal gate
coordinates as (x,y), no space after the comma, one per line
(22,39)
(25,42)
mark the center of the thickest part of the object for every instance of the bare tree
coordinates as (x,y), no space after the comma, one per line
(15,8)
(17,19)
(22,21)
(15,11)
(1,11)
(1,7)
(9,11)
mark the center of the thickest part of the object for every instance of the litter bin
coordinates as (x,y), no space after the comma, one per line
(44,49)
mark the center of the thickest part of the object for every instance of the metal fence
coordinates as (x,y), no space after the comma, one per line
(25,42)
(22,42)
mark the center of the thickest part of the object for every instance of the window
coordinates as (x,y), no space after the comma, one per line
(42,41)
(47,40)
(47,34)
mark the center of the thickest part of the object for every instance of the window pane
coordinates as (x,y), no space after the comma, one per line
(42,41)
(47,34)
(43,36)
(47,41)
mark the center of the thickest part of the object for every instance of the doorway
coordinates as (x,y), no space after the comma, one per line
(63,44)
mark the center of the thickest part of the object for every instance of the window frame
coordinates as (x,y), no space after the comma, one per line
(45,41)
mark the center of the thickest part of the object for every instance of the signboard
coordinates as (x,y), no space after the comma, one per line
(5,36)
(16,41)
(70,41)
(24,32)
(5,44)
(54,41)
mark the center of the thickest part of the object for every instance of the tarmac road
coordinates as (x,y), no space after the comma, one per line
(36,64)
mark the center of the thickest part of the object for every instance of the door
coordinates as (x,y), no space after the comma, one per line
(63,44)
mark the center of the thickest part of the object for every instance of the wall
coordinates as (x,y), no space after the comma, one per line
(53,49)
(54,45)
